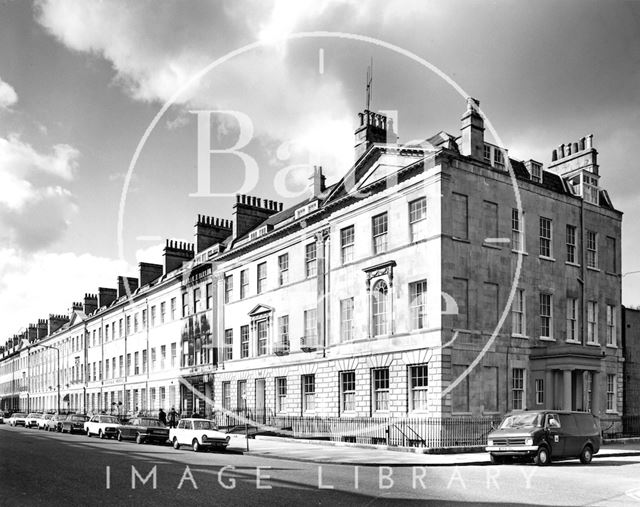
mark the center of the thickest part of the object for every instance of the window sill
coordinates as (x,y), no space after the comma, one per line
(612,412)
(575,265)
(575,342)
(611,273)
(597,270)
(492,246)
(593,344)
(461,240)
(547,339)
(611,346)
(545,258)
(461,413)
(520,252)
(523,336)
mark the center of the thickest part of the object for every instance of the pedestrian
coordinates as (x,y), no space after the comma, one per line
(172,418)
(162,417)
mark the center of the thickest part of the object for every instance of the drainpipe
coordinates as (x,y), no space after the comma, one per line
(583,271)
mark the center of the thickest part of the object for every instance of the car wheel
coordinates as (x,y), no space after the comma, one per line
(176,445)
(542,457)
(195,445)
(88,432)
(100,434)
(586,455)
(119,436)
(139,439)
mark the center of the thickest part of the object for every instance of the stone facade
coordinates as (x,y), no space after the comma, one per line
(423,283)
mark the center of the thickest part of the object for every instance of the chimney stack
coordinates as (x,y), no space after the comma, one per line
(210,231)
(149,272)
(472,130)
(42,328)
(373,128)
(124,282)
(317,181)
(249,212)
(90,303)
(106,296)
(56,322)
(175,254)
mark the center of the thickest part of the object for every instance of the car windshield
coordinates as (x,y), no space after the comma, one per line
(203,425)
(529,420)
(109,419)
(78,418)
(33,415)
(19,414)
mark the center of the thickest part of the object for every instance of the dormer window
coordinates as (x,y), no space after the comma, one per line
(536,172)
(590,188)
(498,157)
(487,153)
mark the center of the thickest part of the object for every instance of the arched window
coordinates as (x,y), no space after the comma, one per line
(380,302)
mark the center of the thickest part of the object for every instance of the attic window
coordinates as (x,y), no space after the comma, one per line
(487,153)
(536,172)
(498,157)
(258,232)
(304,210)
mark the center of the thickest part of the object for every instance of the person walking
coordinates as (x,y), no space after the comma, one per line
(162,417)
(172,418)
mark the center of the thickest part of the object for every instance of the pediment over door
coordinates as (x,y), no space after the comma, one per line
(260,310)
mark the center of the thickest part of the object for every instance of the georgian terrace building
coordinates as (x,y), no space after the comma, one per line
(380,295)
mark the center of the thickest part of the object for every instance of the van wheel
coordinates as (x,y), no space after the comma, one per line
(543,457)
(586,455)
(176,445)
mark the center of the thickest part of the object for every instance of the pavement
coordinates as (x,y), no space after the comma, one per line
(350,454)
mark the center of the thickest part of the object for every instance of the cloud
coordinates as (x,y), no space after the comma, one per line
(155,51)
(34,207)
(8,95)
(34,286)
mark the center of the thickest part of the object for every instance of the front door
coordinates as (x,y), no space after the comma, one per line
(260,401)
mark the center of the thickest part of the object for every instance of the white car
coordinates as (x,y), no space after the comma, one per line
(105,426)
(43,421)
(199,434)
(32,420)
(17,419)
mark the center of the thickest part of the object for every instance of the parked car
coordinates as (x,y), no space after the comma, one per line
(144,429)
(545,435)
(32,420)
(199,434)
(73,423)
(17,419)
(102,425)
(55,423)
(42,422)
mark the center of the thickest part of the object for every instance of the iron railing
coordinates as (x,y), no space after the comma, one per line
(620,426)
(398,432)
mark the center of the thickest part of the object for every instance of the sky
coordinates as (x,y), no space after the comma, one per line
(82,81)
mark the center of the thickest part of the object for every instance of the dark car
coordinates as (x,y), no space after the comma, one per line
(545,435)
(74,423)
(144,429)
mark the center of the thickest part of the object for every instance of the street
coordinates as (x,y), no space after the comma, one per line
(50,468)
